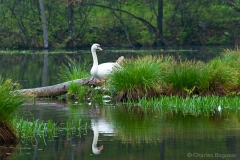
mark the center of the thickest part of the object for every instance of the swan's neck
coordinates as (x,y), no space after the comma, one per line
(94,55)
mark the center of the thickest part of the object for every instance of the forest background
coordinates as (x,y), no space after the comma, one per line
(32,24)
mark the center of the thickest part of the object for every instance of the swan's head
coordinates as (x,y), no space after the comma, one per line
(96,46)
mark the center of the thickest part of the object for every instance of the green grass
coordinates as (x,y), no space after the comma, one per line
(190,87)
(183,77)
(77,92)
(196,105)
(138,78)
(10,99)
(150,76)
(71,71)
(31,128)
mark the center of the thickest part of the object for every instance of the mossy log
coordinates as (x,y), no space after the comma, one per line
(60,89)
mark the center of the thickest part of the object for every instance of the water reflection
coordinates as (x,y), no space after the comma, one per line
(99,125)
(119,135)
(6,151)
(95,149)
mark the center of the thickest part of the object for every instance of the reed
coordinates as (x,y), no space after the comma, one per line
(232,59)
(10,100)
(220,77)
(72,70)
(138,78)
(196,105)
(183,78)
(31,128)
(77,92)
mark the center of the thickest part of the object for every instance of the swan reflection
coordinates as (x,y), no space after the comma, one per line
(100,126)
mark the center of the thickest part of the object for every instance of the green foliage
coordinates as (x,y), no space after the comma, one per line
(32,128)
(138,77)
(78,92)
(184,76)
(119,23)
(72,71)
(149,76)
(196,105)
(221,77)
(10,99)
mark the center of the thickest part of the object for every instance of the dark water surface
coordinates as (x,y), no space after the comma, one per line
(125,136)
(118,134)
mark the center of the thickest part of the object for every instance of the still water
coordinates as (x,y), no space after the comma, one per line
(112,133)
(123,136)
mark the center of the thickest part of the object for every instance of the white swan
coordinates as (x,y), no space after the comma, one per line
(102,70)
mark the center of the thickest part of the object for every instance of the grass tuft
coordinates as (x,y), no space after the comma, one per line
(71,71)
(138,78)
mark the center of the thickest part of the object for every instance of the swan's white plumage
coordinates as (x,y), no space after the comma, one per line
(100,71)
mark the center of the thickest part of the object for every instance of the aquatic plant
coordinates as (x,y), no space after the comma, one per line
(232,59)
(220,77)
(10,100)
(139,77)
(183,77)
(31,128)
(77,92)
(71,71)
(150,76)
(196,105)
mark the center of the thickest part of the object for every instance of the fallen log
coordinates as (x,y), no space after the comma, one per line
(60,89)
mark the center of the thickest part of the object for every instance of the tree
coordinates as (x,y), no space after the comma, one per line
(44,24)
(156,30)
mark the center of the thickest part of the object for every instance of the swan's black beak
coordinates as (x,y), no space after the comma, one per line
(99,48)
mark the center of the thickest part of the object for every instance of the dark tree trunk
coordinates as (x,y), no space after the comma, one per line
(70,42)
(160,23)
(44,24)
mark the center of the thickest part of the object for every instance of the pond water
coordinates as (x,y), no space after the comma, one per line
(125,136)
(112,133)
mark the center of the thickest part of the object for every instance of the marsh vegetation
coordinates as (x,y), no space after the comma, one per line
(145,86)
